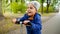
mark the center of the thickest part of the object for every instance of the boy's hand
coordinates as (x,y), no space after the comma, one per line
(25,22)
(14,20)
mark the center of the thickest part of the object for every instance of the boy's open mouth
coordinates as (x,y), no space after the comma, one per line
(29,12)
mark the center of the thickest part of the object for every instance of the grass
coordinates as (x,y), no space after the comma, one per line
(6,25)
(9,14)
(48,14)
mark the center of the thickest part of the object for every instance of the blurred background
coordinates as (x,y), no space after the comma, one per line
(49,10)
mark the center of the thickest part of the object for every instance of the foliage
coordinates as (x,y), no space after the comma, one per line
(22,8)
(15,7)
(50,9)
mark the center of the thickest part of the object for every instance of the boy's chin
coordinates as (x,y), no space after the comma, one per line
(29,14)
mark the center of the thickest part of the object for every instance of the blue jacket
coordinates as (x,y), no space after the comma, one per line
(36,26)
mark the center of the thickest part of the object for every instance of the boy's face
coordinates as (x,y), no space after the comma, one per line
(31,10)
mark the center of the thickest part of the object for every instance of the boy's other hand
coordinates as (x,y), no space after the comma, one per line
(25,22)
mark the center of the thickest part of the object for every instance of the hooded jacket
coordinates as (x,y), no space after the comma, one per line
(36,24)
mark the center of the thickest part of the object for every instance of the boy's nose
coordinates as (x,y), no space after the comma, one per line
(28,10)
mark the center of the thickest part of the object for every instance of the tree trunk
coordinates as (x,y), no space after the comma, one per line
(1,14)
(42,7)
(47,7)
(0,7)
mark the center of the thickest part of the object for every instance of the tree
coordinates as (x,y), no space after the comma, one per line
(48,3)
(22,1)
(1,14)
(42,1)
(54,2)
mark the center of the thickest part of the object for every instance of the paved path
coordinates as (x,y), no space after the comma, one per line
(52,26)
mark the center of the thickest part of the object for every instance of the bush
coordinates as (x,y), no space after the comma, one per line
(22,8)
(15,7)
(51,9)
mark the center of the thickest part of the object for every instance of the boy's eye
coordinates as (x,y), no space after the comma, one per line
(31,8)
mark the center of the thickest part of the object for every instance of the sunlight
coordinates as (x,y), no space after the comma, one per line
(45,4)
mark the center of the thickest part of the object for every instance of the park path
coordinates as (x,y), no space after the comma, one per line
(52,26)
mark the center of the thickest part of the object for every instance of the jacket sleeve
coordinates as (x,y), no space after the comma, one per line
(37,25)
(21,19)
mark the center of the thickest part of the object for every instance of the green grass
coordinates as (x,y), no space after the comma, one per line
(48,14)
(6,25)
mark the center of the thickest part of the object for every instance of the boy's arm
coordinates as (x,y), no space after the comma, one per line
(18,20)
